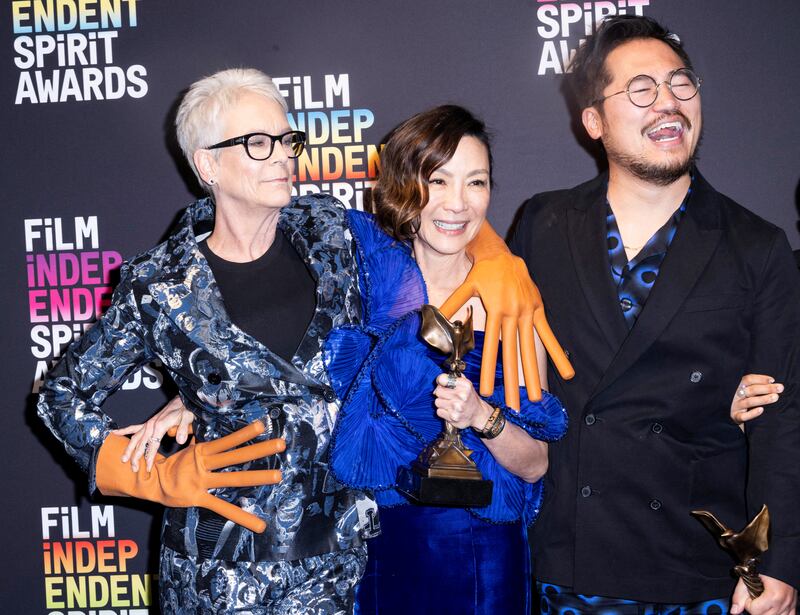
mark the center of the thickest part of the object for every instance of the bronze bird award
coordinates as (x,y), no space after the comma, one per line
(444,474)
(745,547)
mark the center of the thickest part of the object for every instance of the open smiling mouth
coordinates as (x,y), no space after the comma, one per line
(666,131)
(449,226)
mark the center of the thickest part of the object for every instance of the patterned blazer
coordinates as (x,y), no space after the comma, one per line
(168,306)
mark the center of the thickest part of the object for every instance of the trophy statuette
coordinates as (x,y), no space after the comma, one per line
(444,474)
(745,547)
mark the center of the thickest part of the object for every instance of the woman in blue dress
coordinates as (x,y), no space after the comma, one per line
(431,197)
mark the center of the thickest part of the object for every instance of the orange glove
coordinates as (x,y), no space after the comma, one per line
(183,479)
(512,304)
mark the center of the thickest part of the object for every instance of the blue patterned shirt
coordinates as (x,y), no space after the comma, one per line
(634,279)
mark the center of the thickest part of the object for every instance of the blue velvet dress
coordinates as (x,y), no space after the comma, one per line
(427,559)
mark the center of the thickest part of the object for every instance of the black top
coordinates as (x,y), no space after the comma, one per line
(272,298)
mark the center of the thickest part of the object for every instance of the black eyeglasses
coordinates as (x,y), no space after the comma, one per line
(642,90)
(259,145)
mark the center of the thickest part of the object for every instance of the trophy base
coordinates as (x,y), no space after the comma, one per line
(436,491)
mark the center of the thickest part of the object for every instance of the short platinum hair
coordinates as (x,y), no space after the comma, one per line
(198,122)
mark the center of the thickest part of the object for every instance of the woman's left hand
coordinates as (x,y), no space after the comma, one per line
(459,404)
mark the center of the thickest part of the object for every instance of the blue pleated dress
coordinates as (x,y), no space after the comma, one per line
(427,559)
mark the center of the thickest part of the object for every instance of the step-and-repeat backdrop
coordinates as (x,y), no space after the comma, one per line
(91,176)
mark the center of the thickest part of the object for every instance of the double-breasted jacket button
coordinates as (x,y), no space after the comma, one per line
(696,376)
(214,378)
(274,413)
(655,504)
(656,428)
(590,419)
(329,396)
(586,491)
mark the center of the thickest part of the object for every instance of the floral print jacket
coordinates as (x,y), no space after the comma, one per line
(167,306)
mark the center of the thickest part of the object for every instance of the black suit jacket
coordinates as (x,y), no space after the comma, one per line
(650,435)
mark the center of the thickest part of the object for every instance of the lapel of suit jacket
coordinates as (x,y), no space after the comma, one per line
(189,295)
(586,226)
(317,229)
(690,251)
(185,288)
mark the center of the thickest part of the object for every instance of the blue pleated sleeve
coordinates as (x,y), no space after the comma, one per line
(368,363)
(512,498)
(384,374)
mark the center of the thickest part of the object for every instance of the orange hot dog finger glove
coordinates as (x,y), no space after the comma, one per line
(183,479)
(512,304)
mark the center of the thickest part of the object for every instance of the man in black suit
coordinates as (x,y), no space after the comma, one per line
(664,292)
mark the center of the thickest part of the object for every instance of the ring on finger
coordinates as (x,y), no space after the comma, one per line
(742,392)
(451,381)
(154,439)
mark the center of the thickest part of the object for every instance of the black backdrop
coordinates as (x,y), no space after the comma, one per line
(90,173)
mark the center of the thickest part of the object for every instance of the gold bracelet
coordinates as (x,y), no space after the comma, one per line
(490,421)
(494,425)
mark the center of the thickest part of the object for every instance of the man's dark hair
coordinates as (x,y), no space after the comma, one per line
(589,74)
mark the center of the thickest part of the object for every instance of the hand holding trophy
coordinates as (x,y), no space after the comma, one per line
(444,474)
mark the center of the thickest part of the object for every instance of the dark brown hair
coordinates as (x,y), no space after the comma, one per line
(414,150)
(588,73)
